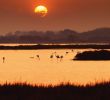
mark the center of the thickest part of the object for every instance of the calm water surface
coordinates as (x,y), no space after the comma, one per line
(24,66)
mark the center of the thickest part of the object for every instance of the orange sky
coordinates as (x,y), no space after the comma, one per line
(80,15)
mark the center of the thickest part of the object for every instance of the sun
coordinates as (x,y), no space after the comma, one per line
(41,10)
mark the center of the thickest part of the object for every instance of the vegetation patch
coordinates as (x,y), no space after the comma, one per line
(93,55)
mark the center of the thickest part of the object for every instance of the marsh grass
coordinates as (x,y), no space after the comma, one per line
(24,91)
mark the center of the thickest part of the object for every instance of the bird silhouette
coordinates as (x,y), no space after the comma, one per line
(57,56)
(61,57)
(3,59)
(38,57)
(51,56)
(67,53)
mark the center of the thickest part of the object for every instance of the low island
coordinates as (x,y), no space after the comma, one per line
(93,55)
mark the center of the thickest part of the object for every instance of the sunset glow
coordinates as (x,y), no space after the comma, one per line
(54,49)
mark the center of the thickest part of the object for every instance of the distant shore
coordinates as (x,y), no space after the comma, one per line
(56,46)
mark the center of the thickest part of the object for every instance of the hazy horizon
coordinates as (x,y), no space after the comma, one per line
(55,31)
(100,35)
(76,15)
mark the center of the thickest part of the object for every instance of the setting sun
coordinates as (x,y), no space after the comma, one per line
(41,10)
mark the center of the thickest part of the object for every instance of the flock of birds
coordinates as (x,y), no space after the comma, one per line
(54,55)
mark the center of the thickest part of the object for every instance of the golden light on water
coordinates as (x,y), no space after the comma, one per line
(41,10)
(23,66)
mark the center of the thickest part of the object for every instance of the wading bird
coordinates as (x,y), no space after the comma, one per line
(38,57)
(3,59)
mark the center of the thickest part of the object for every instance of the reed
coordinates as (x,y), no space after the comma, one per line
(24,91)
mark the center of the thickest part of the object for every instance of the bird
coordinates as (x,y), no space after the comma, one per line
(3,59)
(61,57)
(38,57)
(32,57)
(51,56)
(67,53)
(57,56)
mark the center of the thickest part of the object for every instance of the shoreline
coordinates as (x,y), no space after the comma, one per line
(35,47)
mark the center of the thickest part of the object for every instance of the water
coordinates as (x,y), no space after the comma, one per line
(24,66)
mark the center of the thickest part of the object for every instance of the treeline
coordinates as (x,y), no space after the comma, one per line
(101,35)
